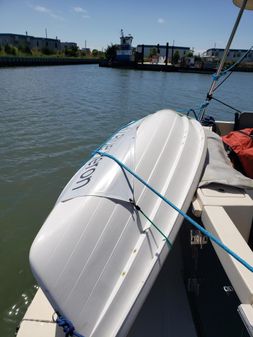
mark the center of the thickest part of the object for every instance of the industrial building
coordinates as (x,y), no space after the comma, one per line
(233,55)
(32,42)
(161,50)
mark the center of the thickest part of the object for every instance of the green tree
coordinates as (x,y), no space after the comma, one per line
(83,53)
(189,54)
(25,49)
(153,52)
(175,57)
(101,54)
(198,58)
(10,50)
(7,49)
(94,53)
(14,51)
(72,51)
(111,52)
(46,51)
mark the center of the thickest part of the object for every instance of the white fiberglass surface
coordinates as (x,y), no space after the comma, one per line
(95,253)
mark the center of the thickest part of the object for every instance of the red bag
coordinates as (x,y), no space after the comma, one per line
(241,142)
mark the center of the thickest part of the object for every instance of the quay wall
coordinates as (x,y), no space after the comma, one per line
(16,61)
(167,68)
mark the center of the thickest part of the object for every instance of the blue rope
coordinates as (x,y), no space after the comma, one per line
(216,77)
(203,106)
(194,113)
(67,326)
(197,112)
(224,72)
(238,62)
(187,217)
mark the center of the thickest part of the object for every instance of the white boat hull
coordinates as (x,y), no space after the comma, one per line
(96,257)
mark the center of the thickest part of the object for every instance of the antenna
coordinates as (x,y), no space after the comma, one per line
(46,32)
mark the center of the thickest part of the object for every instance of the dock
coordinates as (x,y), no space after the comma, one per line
(155,67)
(165,68)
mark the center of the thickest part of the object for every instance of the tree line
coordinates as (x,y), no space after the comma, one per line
(25,50)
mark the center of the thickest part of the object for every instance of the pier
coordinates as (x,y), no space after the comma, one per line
(166,68)
(155,67)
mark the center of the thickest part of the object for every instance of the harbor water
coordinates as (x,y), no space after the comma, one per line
(51,120)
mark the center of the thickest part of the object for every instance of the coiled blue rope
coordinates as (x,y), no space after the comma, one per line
(67,326)
(187,217)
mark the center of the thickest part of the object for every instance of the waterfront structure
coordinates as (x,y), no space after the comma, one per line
(125,50)
(68,45)
(147,49)
(32,42)
(18,40)
(86,50)
(233,55)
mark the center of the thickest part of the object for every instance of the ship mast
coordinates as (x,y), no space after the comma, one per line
(243,4)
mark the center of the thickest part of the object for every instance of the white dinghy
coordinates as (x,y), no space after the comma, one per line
(98,254)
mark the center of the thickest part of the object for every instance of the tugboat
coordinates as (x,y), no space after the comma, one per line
(125,51)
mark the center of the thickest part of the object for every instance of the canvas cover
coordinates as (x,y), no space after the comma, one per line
(218,167)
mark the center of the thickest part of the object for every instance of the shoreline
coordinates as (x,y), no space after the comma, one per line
(165,68)
(27,61)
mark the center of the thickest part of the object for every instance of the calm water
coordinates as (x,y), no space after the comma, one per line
(51,118)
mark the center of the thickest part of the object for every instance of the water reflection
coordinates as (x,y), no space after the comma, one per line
(51,120)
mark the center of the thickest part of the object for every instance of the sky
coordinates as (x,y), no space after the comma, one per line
(198,24)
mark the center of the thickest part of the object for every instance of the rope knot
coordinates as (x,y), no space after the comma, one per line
(216,77)
(67,326)
(204,105)
(134,204)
